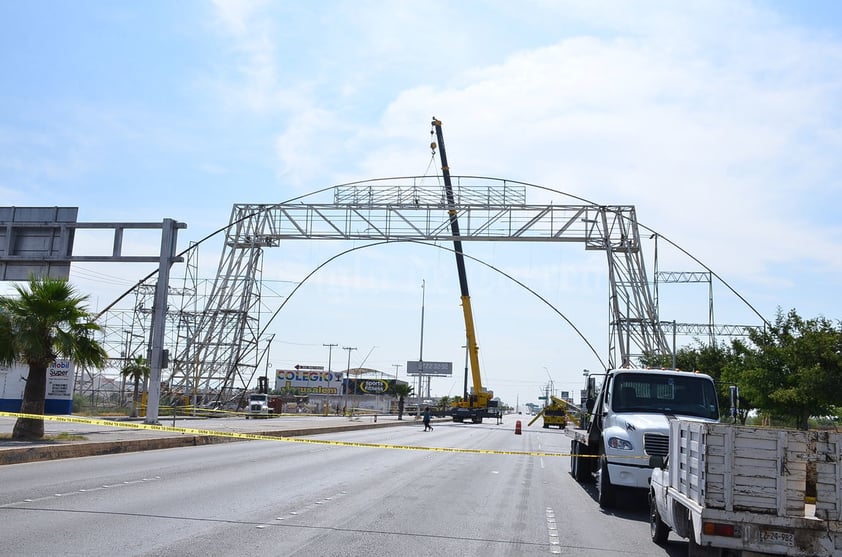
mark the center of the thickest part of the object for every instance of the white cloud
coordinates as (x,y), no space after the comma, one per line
(716,139)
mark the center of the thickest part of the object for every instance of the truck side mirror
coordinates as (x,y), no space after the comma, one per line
(590,401)
(657,461)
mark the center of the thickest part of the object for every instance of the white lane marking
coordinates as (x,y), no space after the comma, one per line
(77,492)
(552,531)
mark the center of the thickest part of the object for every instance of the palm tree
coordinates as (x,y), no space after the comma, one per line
(136,371)
(403,390)
(46,321)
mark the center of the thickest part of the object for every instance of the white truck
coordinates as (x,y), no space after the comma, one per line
(627,421)
(740,491)
(258,406)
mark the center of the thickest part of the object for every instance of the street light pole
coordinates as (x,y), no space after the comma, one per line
(348,373)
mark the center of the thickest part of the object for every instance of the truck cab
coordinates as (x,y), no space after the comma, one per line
(258,406)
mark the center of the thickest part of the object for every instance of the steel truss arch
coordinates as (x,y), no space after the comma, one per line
(224,351)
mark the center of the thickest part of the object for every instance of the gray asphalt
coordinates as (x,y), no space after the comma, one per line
(91,439)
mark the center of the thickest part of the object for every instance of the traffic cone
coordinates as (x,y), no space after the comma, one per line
(517,428)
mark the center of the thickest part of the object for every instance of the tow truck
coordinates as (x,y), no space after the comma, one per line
(479,403)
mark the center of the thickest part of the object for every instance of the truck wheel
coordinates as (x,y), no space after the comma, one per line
(657,529)
(583,467)
(579,465)
(607,492)
(696,550)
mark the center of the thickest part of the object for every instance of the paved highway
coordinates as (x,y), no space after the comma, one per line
(297,499)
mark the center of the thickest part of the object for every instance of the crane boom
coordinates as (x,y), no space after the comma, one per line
(477,402)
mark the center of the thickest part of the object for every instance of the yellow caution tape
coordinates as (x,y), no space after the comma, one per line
(258,437)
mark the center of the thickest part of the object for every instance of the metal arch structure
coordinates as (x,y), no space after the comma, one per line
(224,351)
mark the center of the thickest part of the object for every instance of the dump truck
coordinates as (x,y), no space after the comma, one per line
(736,490)
(627,420)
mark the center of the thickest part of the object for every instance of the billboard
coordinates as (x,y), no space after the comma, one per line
(371,386)
(437,369)
(60,384)
(309,381)
(36,240)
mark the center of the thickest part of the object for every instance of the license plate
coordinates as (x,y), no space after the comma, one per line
(777,538)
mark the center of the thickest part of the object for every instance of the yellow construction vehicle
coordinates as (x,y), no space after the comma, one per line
(556,414)
(479,403)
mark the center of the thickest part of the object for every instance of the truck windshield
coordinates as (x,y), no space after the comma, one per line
(687,395)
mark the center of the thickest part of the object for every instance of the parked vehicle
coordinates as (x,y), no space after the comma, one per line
(738,491)
(258,406)
(627,421)
(555,413)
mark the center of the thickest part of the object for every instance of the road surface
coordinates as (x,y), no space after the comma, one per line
(303,499)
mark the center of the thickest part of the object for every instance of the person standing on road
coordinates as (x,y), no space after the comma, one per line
(427,426)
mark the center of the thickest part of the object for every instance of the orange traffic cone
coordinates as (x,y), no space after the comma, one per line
(517,428)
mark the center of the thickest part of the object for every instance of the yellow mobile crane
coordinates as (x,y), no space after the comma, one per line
(477,404)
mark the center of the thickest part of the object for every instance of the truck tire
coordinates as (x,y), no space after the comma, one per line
(579,466)
(696,550)
(607,491)
(657,529)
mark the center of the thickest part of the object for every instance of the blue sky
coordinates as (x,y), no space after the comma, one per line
(719,121)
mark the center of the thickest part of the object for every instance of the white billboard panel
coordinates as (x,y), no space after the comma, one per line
(436,369)
(60,383)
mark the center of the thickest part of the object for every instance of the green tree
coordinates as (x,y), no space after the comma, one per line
(136,371)
(794,368)
(403,390)
(45,321)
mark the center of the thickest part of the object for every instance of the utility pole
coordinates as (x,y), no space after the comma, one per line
(348,373)
(268,347)
(420,354)
(329,352)
(397,369)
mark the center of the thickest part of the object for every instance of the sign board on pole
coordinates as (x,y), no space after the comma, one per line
(435,369)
